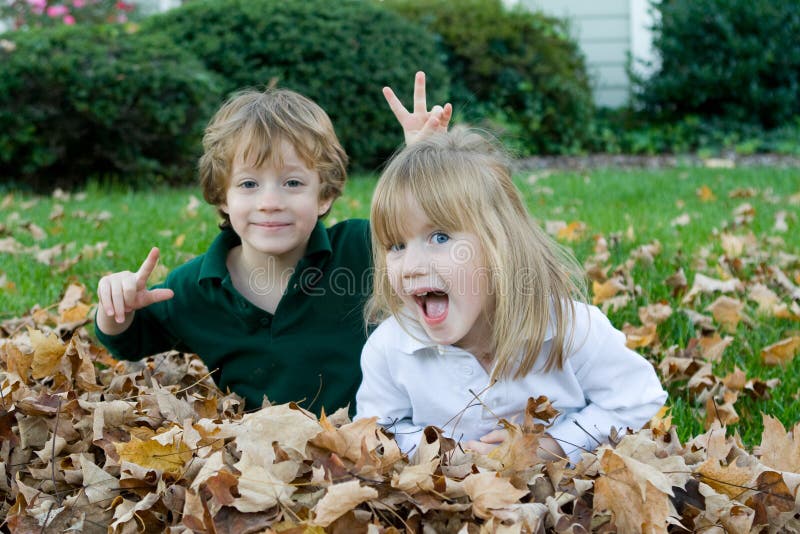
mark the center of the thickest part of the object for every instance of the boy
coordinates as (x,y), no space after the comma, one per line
(275,306)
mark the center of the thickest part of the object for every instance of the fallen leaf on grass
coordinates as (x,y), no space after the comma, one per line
(782,352)
(606,290)
(705,284)
(638,337)
(727,312)
(705,194)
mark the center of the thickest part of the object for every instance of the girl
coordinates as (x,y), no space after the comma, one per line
(481,313)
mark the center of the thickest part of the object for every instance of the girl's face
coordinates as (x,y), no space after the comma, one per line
(442,279)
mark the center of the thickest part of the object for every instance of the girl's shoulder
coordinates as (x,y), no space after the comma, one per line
(395,335)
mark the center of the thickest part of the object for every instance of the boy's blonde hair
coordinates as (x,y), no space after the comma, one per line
(462,181)
(252,123)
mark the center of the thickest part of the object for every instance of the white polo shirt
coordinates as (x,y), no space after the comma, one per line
(410,382)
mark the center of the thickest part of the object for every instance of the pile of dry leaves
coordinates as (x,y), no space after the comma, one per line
(93,445)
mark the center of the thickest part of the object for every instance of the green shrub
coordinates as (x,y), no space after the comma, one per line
(512,69)
(738,60)
(339,54)
(89,101)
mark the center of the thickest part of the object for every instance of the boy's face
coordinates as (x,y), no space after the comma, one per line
(274,210)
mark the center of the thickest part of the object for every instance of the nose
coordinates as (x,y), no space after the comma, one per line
(415,261)
(270,198)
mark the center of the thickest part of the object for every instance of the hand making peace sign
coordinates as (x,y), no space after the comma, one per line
(420,123)
(124,292)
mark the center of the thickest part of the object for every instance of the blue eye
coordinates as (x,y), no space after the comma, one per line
(440,238)
(396,247)
(248,184)
(293,182)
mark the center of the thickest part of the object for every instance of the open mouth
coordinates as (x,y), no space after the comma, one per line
(434,305)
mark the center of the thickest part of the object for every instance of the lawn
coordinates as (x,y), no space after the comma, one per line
(633,229)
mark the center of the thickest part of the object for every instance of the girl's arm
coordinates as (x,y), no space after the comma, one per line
(621,387)
(380,396)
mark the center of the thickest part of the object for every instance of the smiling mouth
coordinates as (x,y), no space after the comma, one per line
(434,306)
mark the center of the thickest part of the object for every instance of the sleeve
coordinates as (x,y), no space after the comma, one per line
(148,333)
(380,395)
(620,386)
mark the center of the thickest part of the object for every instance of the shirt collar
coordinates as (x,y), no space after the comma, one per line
(216,257)
(417,339)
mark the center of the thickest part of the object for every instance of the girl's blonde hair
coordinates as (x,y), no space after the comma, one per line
(462,181)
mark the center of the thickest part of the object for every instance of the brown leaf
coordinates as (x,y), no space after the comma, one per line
(606,290)
(727,312)
(47,353)
(705,194)
(636,494)
(638,337)
(705,284)
(712,347)
(488,491)
(150,454)
(731,480)
(782,352)
(340,499)
(655,313)
(346,440)
(779,449)
(723,412)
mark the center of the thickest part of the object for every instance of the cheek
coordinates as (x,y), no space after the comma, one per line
(393,275)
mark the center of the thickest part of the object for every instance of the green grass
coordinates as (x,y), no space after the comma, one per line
(628,208)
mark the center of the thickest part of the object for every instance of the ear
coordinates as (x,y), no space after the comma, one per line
(324,206)
(224,208)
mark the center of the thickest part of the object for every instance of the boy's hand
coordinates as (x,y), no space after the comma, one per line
(421,122)
(121,294)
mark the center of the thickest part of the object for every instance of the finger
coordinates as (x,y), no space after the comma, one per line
(447,114)
(158,295)
(118,302)
(129,292)
(397,107)
(104,295)
(495,436)
(147,267)
(420,106)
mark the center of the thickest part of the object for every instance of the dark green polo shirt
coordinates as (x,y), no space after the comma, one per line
(309,350)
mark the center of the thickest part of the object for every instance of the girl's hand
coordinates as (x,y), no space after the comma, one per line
(488,442)
(421,122)
(121,294)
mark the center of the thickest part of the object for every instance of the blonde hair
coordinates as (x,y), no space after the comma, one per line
(252,123)
(462,181)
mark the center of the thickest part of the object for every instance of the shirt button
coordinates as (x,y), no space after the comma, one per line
(265,321)
(467,370)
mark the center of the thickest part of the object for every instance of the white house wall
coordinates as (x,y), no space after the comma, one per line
(607,31)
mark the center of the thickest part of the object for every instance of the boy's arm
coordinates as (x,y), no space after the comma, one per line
(420,123)
(121,294)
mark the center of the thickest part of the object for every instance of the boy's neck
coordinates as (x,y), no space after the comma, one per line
(261,278)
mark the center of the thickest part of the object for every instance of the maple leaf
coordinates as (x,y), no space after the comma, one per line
(782,352)
(263,486)
(713,346)
(346,440)
(779,449)
(723,412)
(489,491)
(655,313)
(636,494)
(571,232)
(150,454)
(705,194)
(641,336)
(47,353)
(340,499)
(606,290)
(518,451)
(727,312)
(731,480)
